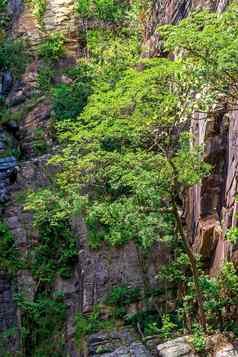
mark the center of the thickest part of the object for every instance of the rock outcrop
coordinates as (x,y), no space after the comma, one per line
(179,347)
(210,207)
(122,343)
(59,16)
(228,350)
(7,167)
(171,12)
(8,317)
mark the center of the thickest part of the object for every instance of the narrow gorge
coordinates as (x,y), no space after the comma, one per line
(118,138)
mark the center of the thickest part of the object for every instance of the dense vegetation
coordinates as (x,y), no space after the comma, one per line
(127,158)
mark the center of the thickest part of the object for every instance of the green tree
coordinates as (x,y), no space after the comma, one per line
(128,157)
(131,148)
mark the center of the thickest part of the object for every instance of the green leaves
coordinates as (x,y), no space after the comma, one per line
(52,48)
(13,56)
(208,45)
(107,10)
(9,256)
(56,250)
(39,8)
(42,322)
(232,235)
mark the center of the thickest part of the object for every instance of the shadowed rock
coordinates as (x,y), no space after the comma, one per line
(6,83)
(7,170)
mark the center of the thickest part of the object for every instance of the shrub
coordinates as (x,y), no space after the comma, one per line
(198,339)
(39,8)
(83,8)
(106,10)
(168,327)
(52,49)
(109,10)
(56,251)
(39,142)
(232,235)
(91,323)
(4,17)
(45,78)
(3,4)
(9,256)
(13,56)
(42,323)
(69,100)
(147,320)
(123,295)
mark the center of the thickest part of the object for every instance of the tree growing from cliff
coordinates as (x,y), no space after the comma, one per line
(207,43)
(128,156)
(130,152)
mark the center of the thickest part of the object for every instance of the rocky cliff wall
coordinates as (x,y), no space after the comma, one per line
(210,207)
(59,16)
(171,12)
(96,272)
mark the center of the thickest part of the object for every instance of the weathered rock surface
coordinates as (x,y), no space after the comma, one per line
(7,170)
(227,351)
(8,317)
(179,347)
(6,83)
(60,16)
(109,267)
(116,344)
(171,12)
(211,206)
(7,167)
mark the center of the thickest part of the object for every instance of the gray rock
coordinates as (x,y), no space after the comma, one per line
(7,167)
(6,83)
(16,99)
(120,352)
(176,348)
(227,351)
(116,344)
(15,7)
(7,163)
(137,349)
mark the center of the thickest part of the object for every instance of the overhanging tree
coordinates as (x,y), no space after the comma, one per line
(128,155)
(131,154)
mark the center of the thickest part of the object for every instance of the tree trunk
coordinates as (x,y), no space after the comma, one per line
(192,260)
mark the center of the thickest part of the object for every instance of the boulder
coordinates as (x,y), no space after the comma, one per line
(227,351)
(137,349)
(122,343)
(178,347)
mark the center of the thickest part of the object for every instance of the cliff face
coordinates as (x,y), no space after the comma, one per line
(210,207)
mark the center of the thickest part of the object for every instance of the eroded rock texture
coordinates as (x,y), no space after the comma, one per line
(8,316)
(210,207)
(122,343)
(58,17)
(171,12)
(179,347)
